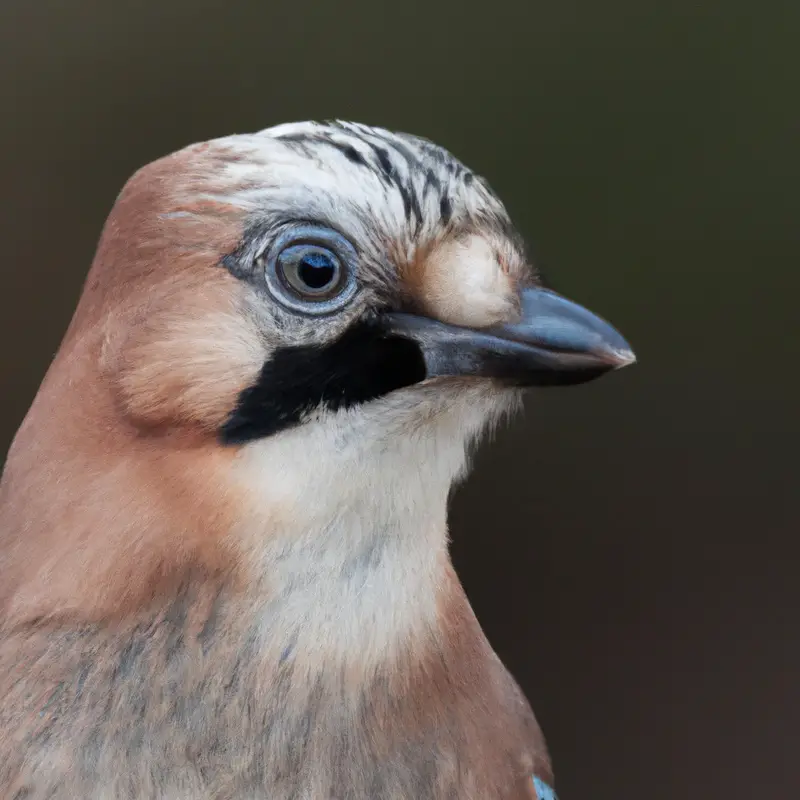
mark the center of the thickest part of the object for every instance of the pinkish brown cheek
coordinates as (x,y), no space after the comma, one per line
(187,362)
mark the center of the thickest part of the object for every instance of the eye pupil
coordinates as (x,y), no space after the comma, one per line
(316,270)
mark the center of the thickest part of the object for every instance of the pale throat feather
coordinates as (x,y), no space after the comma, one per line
(346,529)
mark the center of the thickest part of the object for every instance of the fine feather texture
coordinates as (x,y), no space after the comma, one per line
(223,523)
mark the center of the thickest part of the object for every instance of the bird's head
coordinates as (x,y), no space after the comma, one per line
(314,273)
(317,301)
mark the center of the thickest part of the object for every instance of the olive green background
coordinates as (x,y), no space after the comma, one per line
(631,545)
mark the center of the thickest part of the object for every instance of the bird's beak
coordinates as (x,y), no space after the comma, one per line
(554,342)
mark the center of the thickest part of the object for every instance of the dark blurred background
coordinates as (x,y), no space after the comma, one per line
(630,546)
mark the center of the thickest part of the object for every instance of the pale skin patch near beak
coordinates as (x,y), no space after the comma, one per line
(462,282)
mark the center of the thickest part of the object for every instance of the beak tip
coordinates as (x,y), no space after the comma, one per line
(621,358)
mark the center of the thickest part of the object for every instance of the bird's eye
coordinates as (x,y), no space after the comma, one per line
(314,272)
(311,269)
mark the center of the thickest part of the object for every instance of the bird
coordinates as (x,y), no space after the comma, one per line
(224,547)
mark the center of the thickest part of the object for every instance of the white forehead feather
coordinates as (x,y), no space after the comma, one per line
(373,179)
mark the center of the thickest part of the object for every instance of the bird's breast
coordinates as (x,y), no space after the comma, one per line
(190,700)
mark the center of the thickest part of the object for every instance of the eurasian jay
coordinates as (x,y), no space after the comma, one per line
(224,569)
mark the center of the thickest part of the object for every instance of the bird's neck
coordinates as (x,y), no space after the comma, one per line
(346,538)
(334,533)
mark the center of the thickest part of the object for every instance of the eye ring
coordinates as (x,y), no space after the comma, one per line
(311,269)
